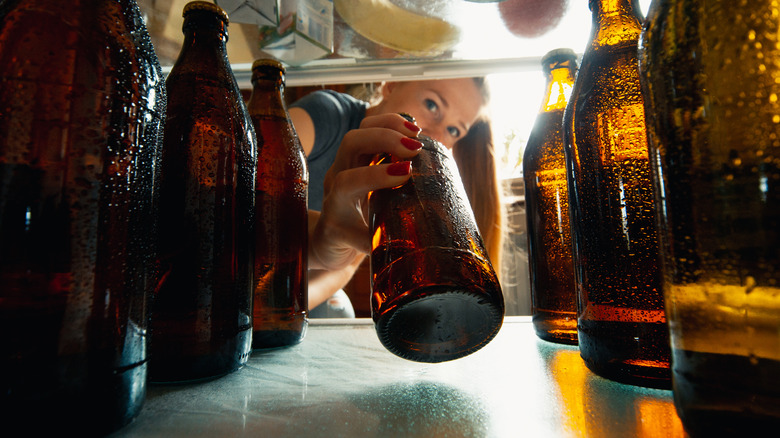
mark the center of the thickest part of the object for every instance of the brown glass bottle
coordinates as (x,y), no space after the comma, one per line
(621,326)
(709,73)
(434,294)
(553,297)
(201,313)
(281,266)
(82,102)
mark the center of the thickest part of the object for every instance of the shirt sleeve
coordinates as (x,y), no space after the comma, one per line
(332,114)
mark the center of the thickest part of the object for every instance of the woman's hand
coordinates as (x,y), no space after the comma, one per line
(340,231)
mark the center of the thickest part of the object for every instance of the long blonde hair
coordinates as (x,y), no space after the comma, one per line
(475,156)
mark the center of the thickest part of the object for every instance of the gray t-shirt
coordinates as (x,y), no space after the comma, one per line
(333,114)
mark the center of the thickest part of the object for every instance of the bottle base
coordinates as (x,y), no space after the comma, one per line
(609,350)
(167,365)
(440,324)
(560,328)
(277,338)
(102,403)
(726,395)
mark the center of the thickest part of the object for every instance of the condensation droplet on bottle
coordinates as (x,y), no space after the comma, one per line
(750,284)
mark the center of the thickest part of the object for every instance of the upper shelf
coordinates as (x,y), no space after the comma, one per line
(491,37)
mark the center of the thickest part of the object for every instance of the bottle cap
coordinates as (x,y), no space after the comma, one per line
(268,62)
(205,6)
(563,53)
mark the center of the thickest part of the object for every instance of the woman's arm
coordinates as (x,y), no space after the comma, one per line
(323,284)
(340,232)
(304,127)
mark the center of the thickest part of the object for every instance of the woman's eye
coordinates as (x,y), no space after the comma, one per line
(453,131)
(432,106)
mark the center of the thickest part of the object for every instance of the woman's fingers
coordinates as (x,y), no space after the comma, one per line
(356,183)
(342,230)
(391,121)
(359,146)
(382,134)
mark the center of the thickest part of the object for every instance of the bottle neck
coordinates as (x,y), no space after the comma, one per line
(267,93)
(615,21)
(203,29)
(560,81)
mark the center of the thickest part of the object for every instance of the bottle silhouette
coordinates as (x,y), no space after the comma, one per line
(712,119)
(280,296)
(621,327)
(82,103)
(201,313)
(553,297)
(434,294)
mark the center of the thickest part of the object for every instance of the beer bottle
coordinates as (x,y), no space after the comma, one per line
(434,293)
(709,73)
(553,299)
(201,314)
(82,103)
(621,324)
(280,296)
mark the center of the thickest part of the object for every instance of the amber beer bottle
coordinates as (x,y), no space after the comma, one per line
(553,298)
(82,102)
(434,293)
(201,314)
(280,296)
(709,71)
(621,326)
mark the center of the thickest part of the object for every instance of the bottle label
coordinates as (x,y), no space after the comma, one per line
(622,134)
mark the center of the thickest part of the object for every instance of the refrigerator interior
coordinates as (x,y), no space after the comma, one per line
(502,40)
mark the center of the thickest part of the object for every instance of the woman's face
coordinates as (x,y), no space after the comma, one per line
(445,109)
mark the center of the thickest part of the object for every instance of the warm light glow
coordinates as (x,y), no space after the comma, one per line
(516,97)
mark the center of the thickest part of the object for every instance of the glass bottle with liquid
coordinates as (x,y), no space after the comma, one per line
(434,293)
(553,297)
(82,106)
(201,314)
(621,324)
(709,73)
(280,306)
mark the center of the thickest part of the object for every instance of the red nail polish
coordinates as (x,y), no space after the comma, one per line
(412,127)
(411,144)
(400,168)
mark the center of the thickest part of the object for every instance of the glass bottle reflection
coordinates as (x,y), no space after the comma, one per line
(711,79)
(554,302)
(280,305)
(201,314)
(82,104)
(622,329)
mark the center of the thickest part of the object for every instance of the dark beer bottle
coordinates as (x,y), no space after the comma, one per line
(201,313)
(434,293)
(553,298)
(280,296)
(621,326)
(82,103)
(709,72)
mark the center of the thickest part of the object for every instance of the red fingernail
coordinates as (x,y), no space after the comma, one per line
(400,168)
(411,126)
(411,144)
